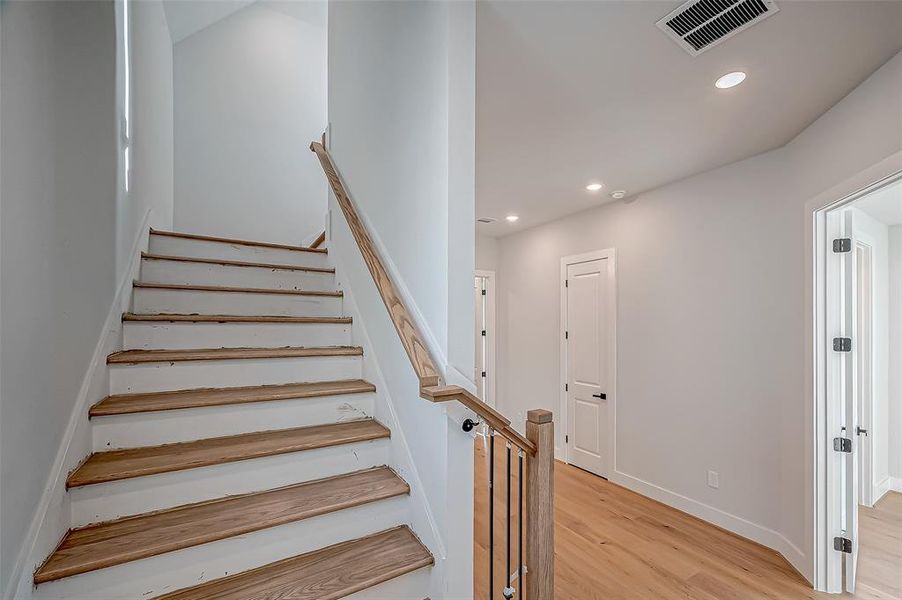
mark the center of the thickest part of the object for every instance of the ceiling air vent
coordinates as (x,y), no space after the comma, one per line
(702,24)
(486,220)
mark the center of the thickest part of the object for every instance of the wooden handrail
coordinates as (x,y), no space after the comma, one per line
(413,343)
(489,415)
(417,352)
(539,440)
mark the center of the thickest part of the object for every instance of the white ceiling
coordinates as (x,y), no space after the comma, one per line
(574,92)
(885,204)
(187,17)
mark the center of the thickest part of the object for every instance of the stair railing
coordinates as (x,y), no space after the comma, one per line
(535,450)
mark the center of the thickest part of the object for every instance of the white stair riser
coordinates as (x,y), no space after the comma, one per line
(179,335)
(149,377)
(191,566)
(170,246)
(172,271)
(106,501)
(150,300)
(170,426)
(413,586)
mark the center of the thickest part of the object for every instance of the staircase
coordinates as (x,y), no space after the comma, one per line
(237,455)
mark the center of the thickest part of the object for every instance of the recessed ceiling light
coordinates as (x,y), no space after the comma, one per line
(594,187)
(618,194)
(511,218)
(730,80)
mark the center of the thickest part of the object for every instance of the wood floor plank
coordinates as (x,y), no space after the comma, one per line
(327,574)
(114,465)
(614,544)
(199,318)
(132,538)
(234,290)
(194,354)
(121,404)
(236,263)
(210,238)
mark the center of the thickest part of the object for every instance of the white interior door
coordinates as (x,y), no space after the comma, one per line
(864,365)
(588,350)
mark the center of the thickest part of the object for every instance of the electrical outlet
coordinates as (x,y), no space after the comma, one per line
(713,479)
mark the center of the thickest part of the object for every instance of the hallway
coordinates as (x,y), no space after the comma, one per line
(613,544)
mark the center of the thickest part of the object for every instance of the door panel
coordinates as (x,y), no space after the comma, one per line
(587,359)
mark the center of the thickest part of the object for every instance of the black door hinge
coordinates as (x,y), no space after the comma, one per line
(566,387)
(841,444)
(566,439)
(483,333)
(842,245)
(483,292)
(842,344)
(483,373)
(841,544)
(566,335)
(566,283)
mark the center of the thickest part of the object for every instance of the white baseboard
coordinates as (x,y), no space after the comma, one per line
(51,518)
(895,484)
(742,527)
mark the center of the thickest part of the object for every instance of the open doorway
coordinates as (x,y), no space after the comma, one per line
(860,406)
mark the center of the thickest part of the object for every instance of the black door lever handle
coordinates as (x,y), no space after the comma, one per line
(600,396)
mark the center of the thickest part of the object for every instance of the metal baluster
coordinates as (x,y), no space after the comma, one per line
(508,592)
(520,522)
(491,511)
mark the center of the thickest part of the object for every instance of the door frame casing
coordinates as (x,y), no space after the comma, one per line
(492,327)
(827,491)
(563,453)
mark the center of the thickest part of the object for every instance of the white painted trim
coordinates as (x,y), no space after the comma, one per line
(491,397)
(610,254)
(895,484)
(51,519)
(743,527)
(826,564)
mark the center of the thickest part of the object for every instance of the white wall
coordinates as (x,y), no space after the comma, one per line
(250,96)
(876,234)
(895,356)
(401,109)
(486,253)
(151,129)
(713,331)
(58,158)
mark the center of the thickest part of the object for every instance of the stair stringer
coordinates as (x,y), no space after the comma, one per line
(422,519)
(438,465)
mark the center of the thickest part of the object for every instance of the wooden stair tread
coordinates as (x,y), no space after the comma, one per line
(235,263)
(211,238)
(114,465)
(236,290)
(195,354)
(133,538)
(327,574)
(156,401)
(198,318)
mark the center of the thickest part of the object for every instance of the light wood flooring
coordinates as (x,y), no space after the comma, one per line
(613,544)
